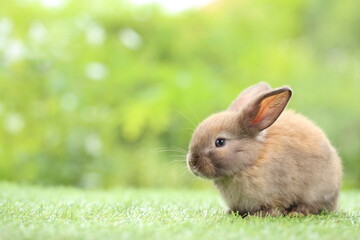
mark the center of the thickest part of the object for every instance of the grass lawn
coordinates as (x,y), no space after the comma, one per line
(29,212)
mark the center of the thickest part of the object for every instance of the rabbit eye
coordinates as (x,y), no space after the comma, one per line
(220,142)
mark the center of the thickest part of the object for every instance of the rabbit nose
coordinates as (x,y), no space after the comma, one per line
(194,159)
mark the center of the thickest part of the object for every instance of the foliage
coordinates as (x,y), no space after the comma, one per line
(92,90)
(63,213)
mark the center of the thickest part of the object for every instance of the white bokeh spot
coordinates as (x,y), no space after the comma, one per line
(93,145)
(14,51)
(175,6)
(95,34)
(96,71)
(14,123)
(130,39)
(69,102)
(53,3)
(37,31)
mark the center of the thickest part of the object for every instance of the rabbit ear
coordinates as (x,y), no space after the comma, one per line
(263,111)
(247,95)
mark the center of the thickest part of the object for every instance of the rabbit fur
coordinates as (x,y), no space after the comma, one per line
(273,162)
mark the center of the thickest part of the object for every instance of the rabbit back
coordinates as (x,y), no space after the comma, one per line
(298,166)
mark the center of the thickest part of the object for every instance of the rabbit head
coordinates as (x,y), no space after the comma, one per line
(230,141)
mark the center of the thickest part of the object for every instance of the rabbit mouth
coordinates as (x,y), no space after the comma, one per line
(205,170)
(203,175)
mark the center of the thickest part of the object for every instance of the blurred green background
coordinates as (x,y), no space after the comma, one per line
(103,93)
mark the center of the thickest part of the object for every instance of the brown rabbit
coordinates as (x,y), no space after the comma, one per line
(265,161)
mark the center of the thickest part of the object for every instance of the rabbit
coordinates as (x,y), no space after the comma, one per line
(264,160)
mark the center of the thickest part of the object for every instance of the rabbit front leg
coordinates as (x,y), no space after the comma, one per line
(262,212)
(302,209)
(267,212)
(236,212)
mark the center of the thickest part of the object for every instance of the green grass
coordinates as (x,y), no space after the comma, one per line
(29,212)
